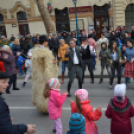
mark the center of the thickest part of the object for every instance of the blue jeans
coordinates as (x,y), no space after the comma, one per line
(64,64)
(122,70)
(127,80)
(94,61)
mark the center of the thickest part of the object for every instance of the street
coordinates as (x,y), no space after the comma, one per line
(23,111)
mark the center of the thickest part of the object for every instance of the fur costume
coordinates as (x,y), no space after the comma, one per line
(43,70)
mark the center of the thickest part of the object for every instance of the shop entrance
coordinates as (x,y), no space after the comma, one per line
(62,20)
(2,26)
(101,19)
(23,25)
(129,17)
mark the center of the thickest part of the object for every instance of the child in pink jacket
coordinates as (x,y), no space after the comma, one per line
(55,103)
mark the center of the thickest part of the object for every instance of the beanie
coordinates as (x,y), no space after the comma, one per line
(29,54)
(120,90)
(53,83)
(77,123)
(82,94)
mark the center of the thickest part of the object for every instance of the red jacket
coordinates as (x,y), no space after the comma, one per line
(1,64)
(120,114)
(89,114)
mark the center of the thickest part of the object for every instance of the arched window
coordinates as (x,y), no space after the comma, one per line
(129,13)
(1,19)
(22,16)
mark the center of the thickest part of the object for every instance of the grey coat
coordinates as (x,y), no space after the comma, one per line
(29,69)
(104,61)
(70,55)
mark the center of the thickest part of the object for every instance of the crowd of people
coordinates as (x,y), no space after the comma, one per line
(116,52)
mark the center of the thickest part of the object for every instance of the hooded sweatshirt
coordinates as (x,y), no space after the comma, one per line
(103,59)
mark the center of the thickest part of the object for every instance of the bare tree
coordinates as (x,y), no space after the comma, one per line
(50,28)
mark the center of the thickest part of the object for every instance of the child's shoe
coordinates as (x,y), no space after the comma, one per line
(54,130)
(24,83)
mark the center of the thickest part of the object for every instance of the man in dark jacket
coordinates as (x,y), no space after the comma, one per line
(6,126)
(54,45)
(92,35)
(74,64)
(132,33)
(87,59)
(67,37)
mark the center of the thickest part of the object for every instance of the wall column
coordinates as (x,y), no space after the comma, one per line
(33,13)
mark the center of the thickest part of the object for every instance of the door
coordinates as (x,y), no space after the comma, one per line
(62,20)
(3,31)
(24,29)
(99,23)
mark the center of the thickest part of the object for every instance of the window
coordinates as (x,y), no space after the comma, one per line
(129,13)
(1,19)
(73,24)
(22,16)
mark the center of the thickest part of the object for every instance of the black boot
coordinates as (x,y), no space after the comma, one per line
(92,77)
(8,92)
(24,83)
(100,81)
(68,88)
(16,88)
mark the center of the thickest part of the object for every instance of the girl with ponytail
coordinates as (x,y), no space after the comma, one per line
(81,105)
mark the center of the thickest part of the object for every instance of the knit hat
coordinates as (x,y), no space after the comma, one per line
(82,94)
(53,83)
(120,90)
(77,123)
(29,54)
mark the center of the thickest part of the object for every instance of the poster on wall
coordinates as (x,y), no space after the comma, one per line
(91,27)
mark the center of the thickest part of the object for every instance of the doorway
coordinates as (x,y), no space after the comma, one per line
(2,26)
(24,29)
(101,19)
(23,25)
(62,20)
(99,24)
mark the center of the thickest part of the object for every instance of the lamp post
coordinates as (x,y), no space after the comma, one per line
(78,40)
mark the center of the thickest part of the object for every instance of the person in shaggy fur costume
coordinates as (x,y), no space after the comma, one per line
(44,67)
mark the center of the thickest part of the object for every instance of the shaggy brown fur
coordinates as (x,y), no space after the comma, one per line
(43,69)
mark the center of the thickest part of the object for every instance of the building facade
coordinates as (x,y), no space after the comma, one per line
(22,16)
(123,11)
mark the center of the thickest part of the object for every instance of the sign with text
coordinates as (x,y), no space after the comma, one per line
(80,9)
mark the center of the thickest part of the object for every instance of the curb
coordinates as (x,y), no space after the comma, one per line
(86,76)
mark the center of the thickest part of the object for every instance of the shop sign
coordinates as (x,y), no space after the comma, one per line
(80,9)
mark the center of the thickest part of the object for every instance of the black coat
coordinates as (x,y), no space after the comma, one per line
(24,48)
(54,45)
(132,35)
(16,49)
(6,126)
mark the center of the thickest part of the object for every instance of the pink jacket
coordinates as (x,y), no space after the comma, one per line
(55,104)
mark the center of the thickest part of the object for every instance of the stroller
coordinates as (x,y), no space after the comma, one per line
(21,63)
